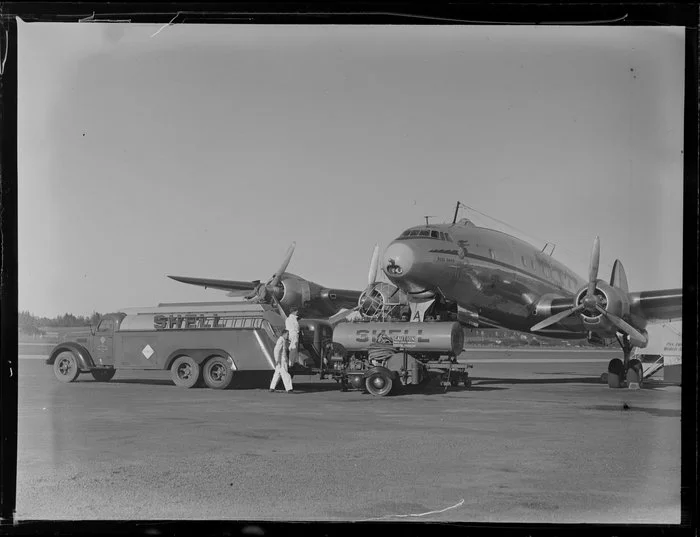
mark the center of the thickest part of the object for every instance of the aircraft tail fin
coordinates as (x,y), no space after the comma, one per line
(618,278)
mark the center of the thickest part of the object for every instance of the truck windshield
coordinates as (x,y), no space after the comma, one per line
(106,325)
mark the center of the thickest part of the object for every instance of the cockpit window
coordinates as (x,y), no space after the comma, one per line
(431,233)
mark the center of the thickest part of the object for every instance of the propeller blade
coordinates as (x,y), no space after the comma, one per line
(373,266)
(279,307)
(624,326)
(554,319)
(287,258)
(593,268)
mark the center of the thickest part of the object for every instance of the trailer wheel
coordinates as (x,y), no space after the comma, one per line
(65,367)
(103,375)
(185,372)
(379,383)
(217,373)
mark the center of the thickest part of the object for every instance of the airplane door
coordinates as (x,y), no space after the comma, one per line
(104,343)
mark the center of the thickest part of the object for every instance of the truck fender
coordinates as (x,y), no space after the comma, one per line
(198,355)
(85,361)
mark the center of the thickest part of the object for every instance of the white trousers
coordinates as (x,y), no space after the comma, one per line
(281,371)
(293,349)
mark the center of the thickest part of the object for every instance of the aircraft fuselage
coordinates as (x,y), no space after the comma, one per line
(492,274)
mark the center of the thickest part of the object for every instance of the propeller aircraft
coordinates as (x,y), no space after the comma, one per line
(481,277)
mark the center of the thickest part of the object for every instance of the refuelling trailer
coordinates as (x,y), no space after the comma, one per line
(218,344)
(381,357)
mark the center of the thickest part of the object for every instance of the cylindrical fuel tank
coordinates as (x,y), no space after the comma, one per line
(418,337)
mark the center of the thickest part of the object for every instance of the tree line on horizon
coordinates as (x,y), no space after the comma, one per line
(32,325)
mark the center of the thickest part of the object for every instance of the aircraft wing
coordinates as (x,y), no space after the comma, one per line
(655,306)
(223,285)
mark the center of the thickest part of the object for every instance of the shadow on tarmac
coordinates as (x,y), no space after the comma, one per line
(157,382)
(659,412)
(478,381)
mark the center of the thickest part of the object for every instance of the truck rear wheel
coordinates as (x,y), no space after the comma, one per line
(217,373)
(185,372)
(103,375)
(65,367)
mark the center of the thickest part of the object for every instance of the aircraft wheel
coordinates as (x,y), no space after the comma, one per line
(379,383)
(103,375)
(217,373)
(185,372)
(635,372)
(616,372)
(65,367)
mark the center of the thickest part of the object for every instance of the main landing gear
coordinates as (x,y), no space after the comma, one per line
(626,372)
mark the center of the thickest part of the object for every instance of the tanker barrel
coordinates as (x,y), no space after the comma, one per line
(442,337)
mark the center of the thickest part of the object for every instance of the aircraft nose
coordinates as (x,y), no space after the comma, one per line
(397,260)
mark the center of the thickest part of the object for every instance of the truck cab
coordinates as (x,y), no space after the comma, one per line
(101,341)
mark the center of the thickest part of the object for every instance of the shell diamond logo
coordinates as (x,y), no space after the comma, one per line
(147,351)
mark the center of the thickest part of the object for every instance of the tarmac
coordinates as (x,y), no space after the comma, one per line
(536,442)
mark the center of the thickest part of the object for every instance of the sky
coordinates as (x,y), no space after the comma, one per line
(205,150)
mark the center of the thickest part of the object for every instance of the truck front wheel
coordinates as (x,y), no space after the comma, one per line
(217,373)
(103,375)
(65,367)
(185,372)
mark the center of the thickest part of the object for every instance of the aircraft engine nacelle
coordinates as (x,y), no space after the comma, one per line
(444,338)
(296,293)
(611,299)
(379,299)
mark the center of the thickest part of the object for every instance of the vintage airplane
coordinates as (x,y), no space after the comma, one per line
(484,278)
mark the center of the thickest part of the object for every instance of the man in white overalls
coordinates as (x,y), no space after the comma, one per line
(282,364)
(292,325)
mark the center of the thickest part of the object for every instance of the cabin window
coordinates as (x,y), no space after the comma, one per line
(424,233)
(492,255)
(447,237)
(414,233)
(106,325)
(406,233)
(434,234)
